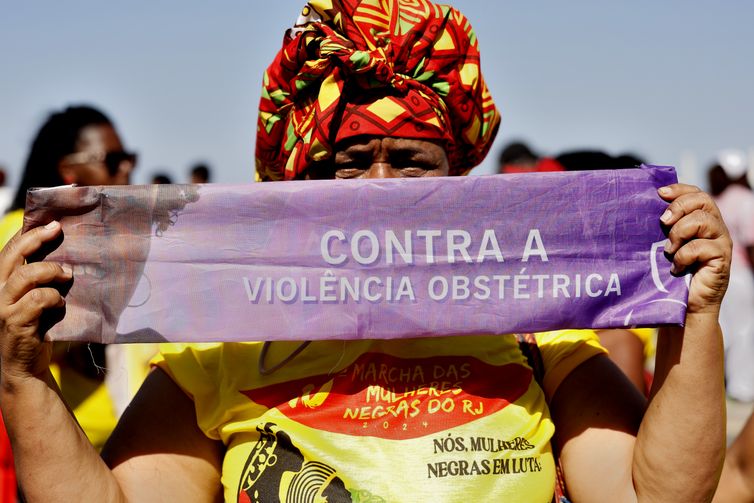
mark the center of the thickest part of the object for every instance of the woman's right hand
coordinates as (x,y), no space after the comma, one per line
(24,295)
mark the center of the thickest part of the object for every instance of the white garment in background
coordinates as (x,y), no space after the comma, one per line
(6,198)
(736,204)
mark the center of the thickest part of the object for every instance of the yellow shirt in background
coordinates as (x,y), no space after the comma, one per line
(10,225)
(89,401)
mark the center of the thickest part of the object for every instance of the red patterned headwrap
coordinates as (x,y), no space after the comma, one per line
(399,68)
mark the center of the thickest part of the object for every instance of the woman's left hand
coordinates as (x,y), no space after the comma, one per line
(698,242)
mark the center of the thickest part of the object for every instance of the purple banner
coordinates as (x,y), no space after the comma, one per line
(363,259)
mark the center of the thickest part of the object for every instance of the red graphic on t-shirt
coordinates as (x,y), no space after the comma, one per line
(395,398)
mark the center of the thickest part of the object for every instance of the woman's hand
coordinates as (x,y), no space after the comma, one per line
(698,241)
(24,295)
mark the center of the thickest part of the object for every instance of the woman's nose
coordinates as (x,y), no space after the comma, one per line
(127,166)
(381,170)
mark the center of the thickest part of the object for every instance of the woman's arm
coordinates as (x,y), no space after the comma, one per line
(675,451)
(158,453)
(54,459)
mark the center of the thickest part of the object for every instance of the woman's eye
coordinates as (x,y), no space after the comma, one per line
(414,171)
(348,172)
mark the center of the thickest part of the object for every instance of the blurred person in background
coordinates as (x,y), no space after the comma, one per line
(79,145)
(589,160)
(76,145)
(200,173)
(161,179)
(6,194)
(517,157)
(728,184)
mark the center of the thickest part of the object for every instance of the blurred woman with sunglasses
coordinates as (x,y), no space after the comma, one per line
(78,145)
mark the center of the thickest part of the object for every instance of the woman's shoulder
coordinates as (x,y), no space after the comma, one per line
(202,358)
(564,350)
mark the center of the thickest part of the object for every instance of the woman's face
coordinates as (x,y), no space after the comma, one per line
(384,158)
(99,159)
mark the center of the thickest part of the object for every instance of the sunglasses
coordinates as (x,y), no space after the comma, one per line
(111,160)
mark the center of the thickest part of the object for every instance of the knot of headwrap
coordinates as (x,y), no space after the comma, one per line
(395,68)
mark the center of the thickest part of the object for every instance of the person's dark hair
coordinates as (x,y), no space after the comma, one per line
(584,160)
(55,139)
(161,179)
(718,180)
(628,160)
(517,153)
(201,172)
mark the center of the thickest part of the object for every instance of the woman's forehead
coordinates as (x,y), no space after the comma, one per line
(368,143)
(99,137)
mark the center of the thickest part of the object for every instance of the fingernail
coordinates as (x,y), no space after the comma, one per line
(664,191)
(67,269)
(665,218)
(668,246)
(673,269)
(52,225)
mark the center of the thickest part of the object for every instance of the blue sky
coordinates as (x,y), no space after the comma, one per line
(671,81)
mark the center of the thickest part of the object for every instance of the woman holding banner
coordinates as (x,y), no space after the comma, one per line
(367,91)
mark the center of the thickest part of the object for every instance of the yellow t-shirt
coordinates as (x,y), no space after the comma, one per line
(647,337)
(446,419)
